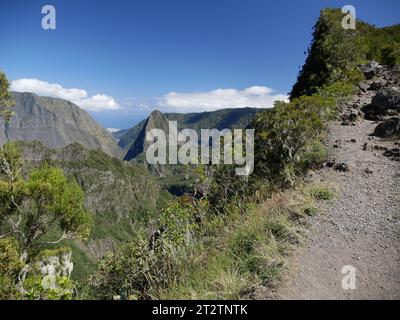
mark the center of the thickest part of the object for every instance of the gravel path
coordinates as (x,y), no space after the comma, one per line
(361,227)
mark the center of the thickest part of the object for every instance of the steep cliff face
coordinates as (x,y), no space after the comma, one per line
(56,123)
(156,120)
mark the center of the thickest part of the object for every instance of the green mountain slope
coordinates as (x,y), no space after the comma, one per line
(335,52)
(118,194)
(220,119)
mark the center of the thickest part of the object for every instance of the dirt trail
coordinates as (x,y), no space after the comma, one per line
(361,227)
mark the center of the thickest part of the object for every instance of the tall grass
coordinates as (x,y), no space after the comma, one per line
(244,252)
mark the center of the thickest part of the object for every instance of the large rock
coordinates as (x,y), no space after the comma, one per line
(56,123)
(388,129)
(386,102)
(378,84)
(386,99)
(50,266)
(371,69)
(393,154)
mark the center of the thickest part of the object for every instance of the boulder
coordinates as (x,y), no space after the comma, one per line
(385,102)
(386,99)
(363,86)
(330,163)
(378,84)
(393,154)
(371,69)
(50,266)
(388,129)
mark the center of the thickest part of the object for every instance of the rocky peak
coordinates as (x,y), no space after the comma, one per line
(156,120)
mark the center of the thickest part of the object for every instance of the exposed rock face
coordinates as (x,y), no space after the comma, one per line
(156,120)
(56,265)
(52,265)
(56,123)
(388,129)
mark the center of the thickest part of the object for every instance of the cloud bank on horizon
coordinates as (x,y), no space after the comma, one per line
(253,97)
(80,97)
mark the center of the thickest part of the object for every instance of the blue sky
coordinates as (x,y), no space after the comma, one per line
(172,55)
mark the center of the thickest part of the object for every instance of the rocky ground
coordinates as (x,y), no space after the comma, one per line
(361,226)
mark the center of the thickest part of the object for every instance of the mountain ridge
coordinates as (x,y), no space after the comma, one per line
(231,118)
(56,123)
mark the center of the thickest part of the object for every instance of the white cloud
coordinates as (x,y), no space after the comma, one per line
(80,97)
(255,97)
(99,102)
(112,130)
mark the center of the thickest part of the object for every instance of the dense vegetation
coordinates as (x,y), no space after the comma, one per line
(229,242)
(118,195)
(233,236)
(335,52)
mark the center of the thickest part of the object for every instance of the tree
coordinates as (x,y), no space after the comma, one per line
(31,207)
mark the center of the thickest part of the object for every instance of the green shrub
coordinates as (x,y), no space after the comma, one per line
(284,133)
(310,211)
(390,55)
(149,264)
(10,266)
(35,289)
(321,193)
(313,156)
(127,272)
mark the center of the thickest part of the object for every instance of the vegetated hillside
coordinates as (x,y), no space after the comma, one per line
(237,236)
(220,119)
(56,123)
(119,196)
(176,178)
(335,52)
